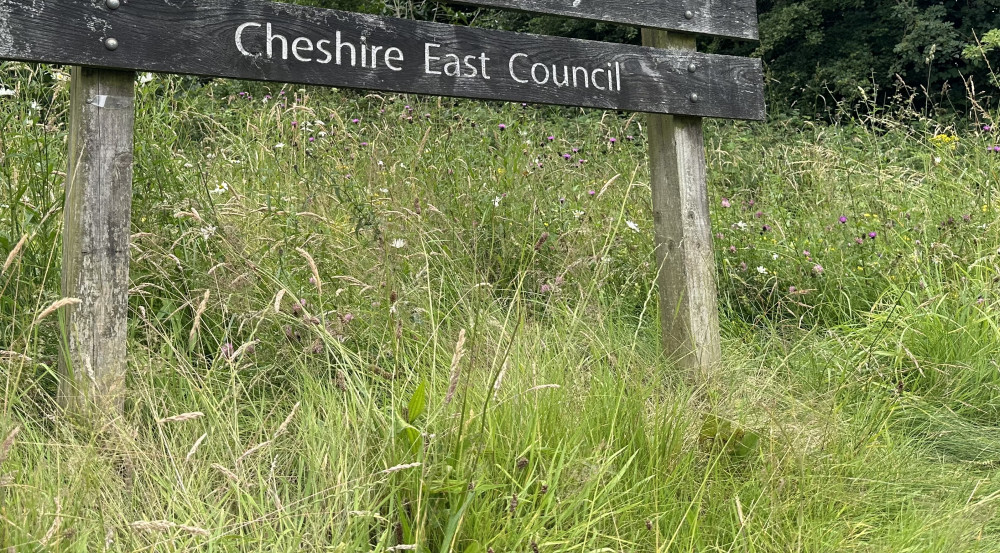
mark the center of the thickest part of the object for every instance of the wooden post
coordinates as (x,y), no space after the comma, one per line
(689,316)
(96,229)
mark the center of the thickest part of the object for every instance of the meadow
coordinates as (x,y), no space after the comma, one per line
(369,322)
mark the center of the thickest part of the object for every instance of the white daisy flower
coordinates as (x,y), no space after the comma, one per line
(632,225)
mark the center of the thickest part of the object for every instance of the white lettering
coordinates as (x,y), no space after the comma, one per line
(270,44)
(511,66)
(340,47)
(391,55)
(428,57)
(239,38)
(534,77)
(593,79)
(301,44)
(320,47)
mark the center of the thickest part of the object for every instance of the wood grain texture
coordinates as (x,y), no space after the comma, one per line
(96,225)
(199,37)
(689,315)
(729,18)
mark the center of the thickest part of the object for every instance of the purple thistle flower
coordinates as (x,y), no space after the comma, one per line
(295,123)
(227,350)
(758,215)
(732,249)
(545,289)
(348,317)
(591,192)
(551,138)
(567,157)
(987,128)
(503,127)
(613,140)
(843,219)
(725,202)
(818,269)
(765,228)
(872,235)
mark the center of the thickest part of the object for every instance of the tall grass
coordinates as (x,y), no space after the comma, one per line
(382,323)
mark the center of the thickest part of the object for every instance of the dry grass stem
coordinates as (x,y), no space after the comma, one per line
(312,267)
(13,254)
(56,306)
(8,443)
(161,526)
(197,316)
(398,468)
(194,448)
(54,528)
(284,425)
(226,472)
(277,300)
(456,360)
(184,417)
(252,450)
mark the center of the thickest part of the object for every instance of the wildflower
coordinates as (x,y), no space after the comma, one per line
(806,253)
(551,138)
(732,249)
(398,243)
(348,317)
(632,225)
(567,157)
(743,266)
(227,350)
(576,150)
(818,269)
(503,127)
(279,145)
(792,289)
(364,144)
(762,270)
(872,235)
(859,241)
(987,128)
(843,219)
(765,228)
(613,140)
(220,188)
(6,92)
(562,201)
(592,192)
(496,201)
(774,256)
(725,202)
(295,124)
(758,215)
(312,139)
(355,121)
(145,78)
(545,289)
(630,137)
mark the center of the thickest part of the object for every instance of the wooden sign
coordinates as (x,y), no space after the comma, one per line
(728,18)
(251,39)
(278,42)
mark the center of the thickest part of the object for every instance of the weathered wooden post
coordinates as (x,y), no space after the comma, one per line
(689,315)
(96,232)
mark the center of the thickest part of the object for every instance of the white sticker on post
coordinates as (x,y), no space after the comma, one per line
(98,101)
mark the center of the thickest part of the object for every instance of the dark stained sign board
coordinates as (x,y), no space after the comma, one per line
(269,41)
(729,18)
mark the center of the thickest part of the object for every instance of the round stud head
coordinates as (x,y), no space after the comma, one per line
(693,97)
(113,4)
(692,68)
(689,14)
(111,44)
